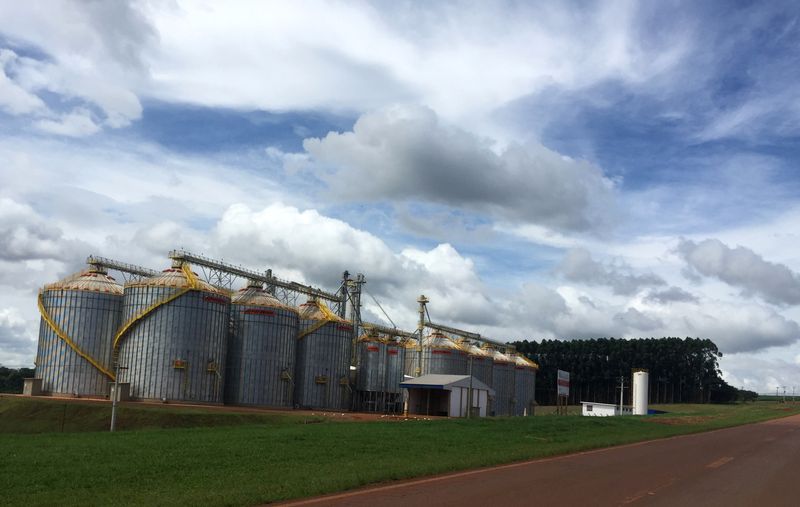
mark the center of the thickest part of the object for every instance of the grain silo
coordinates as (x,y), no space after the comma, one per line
(174,339)
(371,372)
(524,385)
(411,358)
(482,363)
(395,360)
(322,367)
(80,315)
(261,349)
(442,355)
(502,382)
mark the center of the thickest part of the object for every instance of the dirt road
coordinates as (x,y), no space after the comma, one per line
(749,465)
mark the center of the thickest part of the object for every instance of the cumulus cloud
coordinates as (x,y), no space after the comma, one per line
(671,295)
(17,344)
(405,153)
(78,123)
(25,235)
(762,372)
(579,266)
(274,56)
(15,99)
(743,268)
(85,53)
(320,248)
(633,318)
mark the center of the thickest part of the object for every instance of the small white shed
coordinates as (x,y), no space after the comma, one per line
(447,395)
(593,409)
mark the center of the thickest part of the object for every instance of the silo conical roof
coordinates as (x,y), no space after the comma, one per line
(371,336)
(254,295)
(521,360)
(92,280)
(438,340)
(315,309)
(474,350)
(175,277)
(498,356)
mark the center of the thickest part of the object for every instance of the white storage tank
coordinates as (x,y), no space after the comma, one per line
(641,380)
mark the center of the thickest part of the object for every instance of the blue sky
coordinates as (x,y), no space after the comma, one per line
(538,169)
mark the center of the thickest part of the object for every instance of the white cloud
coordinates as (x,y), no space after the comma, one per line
(763,371)
(78,123)
(743,268)
(638,321)
(670,295)
(16,340)
(579,266)
(15,99)
(25,235)
(92,54)
(405,153)
(320,248)
(275,56)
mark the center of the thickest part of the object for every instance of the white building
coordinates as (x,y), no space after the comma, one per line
(591,408)
(446,395)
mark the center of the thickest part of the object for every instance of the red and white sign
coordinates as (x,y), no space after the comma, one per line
(563,383)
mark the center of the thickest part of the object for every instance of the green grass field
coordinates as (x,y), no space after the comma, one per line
(250,462)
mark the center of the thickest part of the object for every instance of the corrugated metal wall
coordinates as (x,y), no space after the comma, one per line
(178,351)
(261,356)
(395,360)
(503,385)
(322,369)
(524,390)
(371,366)
(90,319)
(444,361)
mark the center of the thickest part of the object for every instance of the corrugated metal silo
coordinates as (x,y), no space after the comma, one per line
(261,349)
(371,363)
(502,383)
(395,361)
(524,385)
(79,318)
(411,358)
(174,339)
(442,355)
(322,367)
(371,373)
(482,363)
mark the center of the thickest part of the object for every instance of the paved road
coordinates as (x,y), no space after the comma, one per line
(758,464)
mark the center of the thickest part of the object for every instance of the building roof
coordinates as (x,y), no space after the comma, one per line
(446,382)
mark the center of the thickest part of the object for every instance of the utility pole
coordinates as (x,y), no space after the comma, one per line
(422,300)
(784,394)
(115,396)
(776,393)
(621,392)
(469,407)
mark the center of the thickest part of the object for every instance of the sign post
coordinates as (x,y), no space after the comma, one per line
(562,387)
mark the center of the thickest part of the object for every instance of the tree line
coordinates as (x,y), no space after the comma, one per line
(680,370)
(11,379)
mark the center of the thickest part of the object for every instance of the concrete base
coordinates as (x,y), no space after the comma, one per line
(32,387)
(124,391)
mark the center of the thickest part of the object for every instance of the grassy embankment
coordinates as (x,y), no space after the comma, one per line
(278,459)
